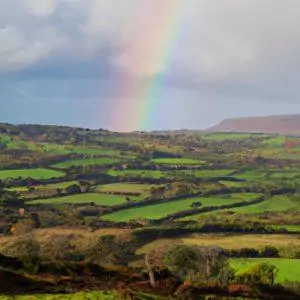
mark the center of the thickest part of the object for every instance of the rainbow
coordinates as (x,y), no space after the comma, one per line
(147,54)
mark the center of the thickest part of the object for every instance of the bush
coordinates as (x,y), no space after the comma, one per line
(260,274)
(269,251)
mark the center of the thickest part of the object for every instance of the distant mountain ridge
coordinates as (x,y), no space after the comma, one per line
(277,124)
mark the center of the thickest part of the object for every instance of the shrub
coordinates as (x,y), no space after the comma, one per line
(269,251)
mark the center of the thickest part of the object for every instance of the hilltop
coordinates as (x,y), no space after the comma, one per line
(280,124)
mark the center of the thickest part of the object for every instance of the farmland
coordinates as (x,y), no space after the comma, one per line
(177,161)
(138,173)
(98,199)
(32,173)
(106,199)
(158,211)
(124,188)
(85,162)
(277,203)
(288,269)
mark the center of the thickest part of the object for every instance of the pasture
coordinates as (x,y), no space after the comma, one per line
(177,161)
(276,203)
(102,161)
(288,269)
(227,241)
(53,186)
(98,199)
(221,136)
(158,211)
(212,173)
(138,173)
(124,188)
(38,173)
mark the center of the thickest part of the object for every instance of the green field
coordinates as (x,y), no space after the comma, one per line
(253,175)
(161,210)
(221,136)
(32,173)
(233,184)
(212,173)
(276,203)
(177,161)
(54,186)
(77,296)
(138,173)
(288,269)
(98,199)
(276,141)
(86,162)
(125,188)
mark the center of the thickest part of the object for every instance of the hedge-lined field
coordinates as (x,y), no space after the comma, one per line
(158,211)
(98,199)
(38,173)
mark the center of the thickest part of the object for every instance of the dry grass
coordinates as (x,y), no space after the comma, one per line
(81,237)
(228,241)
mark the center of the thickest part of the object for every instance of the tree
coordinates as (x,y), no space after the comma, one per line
(185,262)
(73,189)
(85,186)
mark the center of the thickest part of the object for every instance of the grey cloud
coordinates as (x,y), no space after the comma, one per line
(236,48)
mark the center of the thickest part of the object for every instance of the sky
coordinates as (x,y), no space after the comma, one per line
(72,62)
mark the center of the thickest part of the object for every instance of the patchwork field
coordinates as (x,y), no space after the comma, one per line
(212,173)
(98,199)
(142,164)
(177,161)
(32,173)
(54,186)
(276,203)
(158,211)
(139,173)
(228,241)
(225,136)
(124,188)
(86,162)
(288,269)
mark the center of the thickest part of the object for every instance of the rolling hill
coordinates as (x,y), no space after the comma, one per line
(280,124)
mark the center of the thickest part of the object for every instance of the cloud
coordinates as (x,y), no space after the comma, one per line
(246,50)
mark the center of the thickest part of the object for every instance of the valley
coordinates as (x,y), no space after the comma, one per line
(102,201)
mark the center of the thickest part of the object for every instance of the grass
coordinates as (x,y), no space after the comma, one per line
(53,186)
(218,136)
(86,162)
(98,199)
(212,173)
(276,203)
(177,161)
(277,141)
(158,211)
(227,241)
(77,296)
(125,188)
(288,269)
(138,173)
(233,184)
(253,175)
(33,173)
